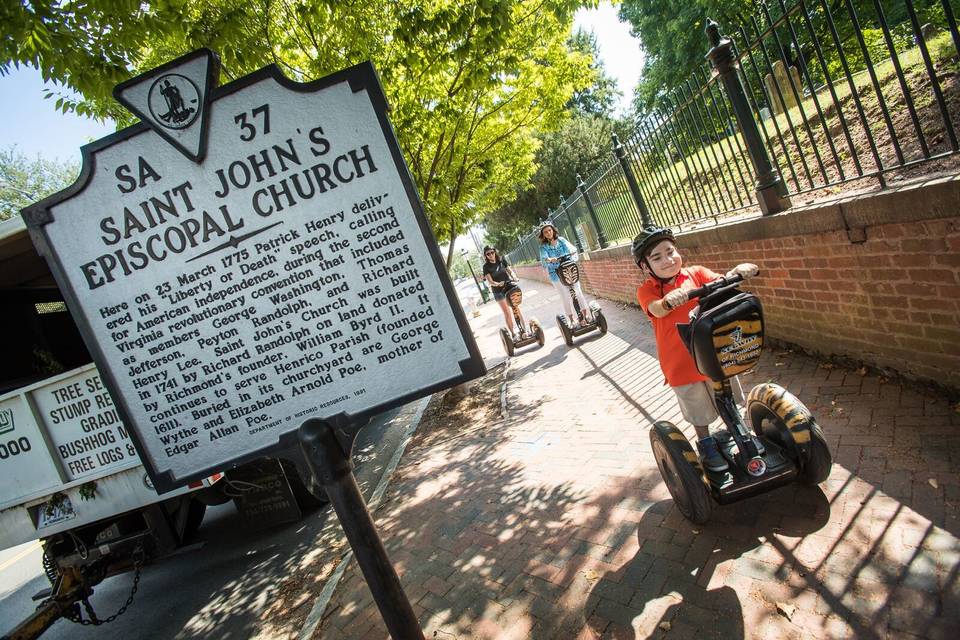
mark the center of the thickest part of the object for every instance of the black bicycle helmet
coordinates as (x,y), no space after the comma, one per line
(650,235)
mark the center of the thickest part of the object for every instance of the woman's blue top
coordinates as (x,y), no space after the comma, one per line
(562,248)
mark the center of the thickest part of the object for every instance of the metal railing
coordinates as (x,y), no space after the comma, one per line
(803,98)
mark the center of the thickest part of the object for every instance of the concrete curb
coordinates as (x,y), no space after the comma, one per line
(320,605)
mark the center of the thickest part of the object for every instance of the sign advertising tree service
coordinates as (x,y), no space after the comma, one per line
(249,257)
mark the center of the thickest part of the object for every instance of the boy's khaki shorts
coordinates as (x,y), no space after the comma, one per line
(696,401)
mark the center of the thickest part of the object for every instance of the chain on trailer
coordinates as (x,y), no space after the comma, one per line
(76,616)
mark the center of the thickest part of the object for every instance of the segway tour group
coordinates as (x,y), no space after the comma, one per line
(708,331)
(559,258)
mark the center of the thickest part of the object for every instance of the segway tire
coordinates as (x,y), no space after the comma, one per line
(601,322)
(819,460)
(680,469)
(507,341)
(565,331)
(777,414)
(538,332)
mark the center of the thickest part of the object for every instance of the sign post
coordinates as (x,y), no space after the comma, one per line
(332,464)
(249,259)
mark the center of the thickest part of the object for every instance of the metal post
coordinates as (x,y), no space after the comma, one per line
(483,294)
(621,153)
(476,243)
(573,229)
(601,234)
(771,189)
(332,465)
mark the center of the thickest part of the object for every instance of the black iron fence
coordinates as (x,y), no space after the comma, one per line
(805,99)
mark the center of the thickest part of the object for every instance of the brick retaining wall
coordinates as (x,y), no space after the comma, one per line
(874,277)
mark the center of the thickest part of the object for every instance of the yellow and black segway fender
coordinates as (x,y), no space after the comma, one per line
(670,432)
(797,421)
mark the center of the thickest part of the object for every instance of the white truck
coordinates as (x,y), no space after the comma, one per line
(70,474)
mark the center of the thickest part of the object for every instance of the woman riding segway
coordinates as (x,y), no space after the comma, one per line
(552,248)
(559,259)
(506,291)
(498,273)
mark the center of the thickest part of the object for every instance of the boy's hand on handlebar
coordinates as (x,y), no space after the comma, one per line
(745,270)
(674,299)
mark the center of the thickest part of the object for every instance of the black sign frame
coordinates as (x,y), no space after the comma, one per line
(360,78)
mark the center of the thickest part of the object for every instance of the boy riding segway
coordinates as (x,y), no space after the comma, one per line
(663,296)
(708,331)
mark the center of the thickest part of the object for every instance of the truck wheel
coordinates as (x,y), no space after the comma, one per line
(195,512)
(777,414)
(680,468)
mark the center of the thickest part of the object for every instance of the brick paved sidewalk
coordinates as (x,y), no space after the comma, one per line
(555,523)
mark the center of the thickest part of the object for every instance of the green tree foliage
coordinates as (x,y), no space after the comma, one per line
(24,181)
(671,33)
(470,84)
(578,146)
(672,37)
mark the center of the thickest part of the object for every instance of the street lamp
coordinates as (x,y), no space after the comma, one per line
(483,292)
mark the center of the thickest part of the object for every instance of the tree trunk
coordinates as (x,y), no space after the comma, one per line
(453,241)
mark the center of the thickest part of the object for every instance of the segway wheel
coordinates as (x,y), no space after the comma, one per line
(538,332)
(777,414)
(507,341)
(680,468)
(565,331)
(601,322)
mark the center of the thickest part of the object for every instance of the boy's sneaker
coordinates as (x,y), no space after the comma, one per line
(710,456)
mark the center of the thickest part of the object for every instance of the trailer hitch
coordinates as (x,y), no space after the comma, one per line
(69,590)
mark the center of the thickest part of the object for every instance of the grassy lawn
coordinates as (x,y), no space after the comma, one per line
(721,174)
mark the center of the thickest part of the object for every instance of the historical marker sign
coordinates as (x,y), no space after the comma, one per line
(289,274)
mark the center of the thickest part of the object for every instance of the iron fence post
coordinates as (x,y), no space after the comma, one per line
(621,153)
(573,229)
(771,189)
(601,235)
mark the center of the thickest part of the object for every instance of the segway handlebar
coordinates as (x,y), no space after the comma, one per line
(710,287)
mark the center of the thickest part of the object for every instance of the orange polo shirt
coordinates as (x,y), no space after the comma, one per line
(675,361)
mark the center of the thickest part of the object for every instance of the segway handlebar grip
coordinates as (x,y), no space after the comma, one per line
(710,287)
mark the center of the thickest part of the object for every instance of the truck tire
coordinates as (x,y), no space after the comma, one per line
(304,497)
(214,495)
(195,513)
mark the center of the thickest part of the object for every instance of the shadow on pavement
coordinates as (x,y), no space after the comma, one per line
(672,585)
(558,523)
